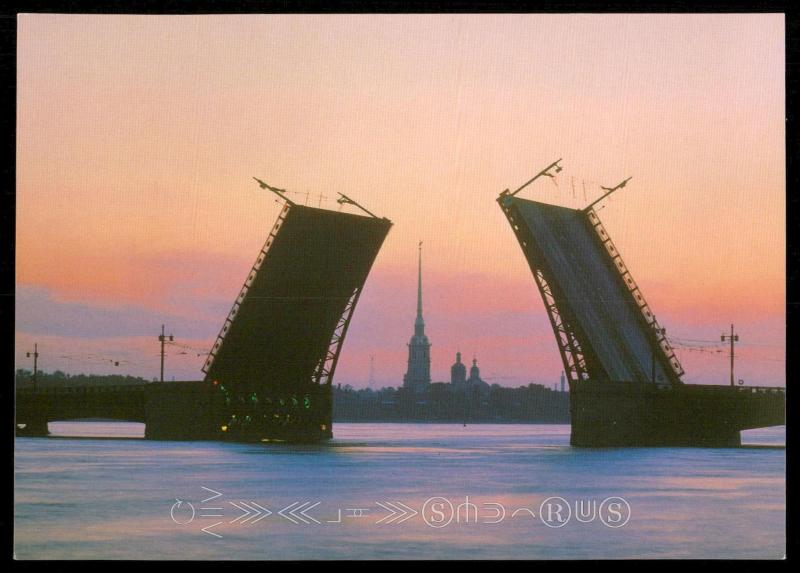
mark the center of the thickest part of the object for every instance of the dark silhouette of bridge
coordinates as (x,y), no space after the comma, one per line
(624,378)
(270,371)
(174,410)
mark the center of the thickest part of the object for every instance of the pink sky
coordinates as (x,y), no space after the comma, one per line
(138,137)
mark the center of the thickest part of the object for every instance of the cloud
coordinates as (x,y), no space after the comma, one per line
(39,311)
(180,281)
(502,322)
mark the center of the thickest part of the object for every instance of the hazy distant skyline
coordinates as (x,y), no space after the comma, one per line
(138,137)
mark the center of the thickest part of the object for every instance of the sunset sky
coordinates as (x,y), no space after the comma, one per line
(138,137)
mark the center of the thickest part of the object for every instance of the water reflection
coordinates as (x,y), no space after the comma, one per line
(100,498)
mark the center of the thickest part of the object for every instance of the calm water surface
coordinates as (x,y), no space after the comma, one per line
(435,491)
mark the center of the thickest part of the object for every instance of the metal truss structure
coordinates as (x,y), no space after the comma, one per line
(577,354)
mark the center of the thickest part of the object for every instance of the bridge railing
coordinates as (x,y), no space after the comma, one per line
(761,389)
(245,288)
(705,387)
(635,292)
(764,390)
(82,389)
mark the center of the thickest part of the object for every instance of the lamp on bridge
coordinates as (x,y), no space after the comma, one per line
(35,362)
(732,338)
(163,339)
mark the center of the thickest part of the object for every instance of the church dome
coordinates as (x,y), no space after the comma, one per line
(458,372)
(475,372)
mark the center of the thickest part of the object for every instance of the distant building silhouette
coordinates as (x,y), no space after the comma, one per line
(418,375)
(459,381)
(458,373)
(474,382)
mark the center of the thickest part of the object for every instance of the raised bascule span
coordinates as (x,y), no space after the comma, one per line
(624,378)
(276,353)
(269,373)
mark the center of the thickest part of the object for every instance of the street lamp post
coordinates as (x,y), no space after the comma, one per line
(732,338)
(35,362)
(163,339)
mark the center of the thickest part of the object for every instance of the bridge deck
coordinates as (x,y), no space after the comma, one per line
(625,387)
(287,314)
(594,292)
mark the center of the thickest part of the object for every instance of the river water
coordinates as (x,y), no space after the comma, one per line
(394,491)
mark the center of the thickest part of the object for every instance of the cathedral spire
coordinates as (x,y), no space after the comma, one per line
(419,323)
(418,376)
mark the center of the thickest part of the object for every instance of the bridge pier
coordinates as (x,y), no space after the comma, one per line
(624,414)
(182,411)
